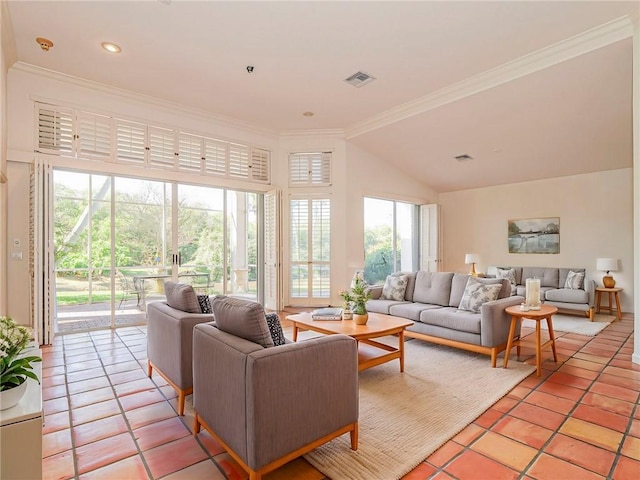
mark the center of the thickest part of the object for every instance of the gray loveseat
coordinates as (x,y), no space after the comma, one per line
(432,299)
(552,291)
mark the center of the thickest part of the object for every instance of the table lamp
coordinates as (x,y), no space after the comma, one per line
(607,265)
(472,258)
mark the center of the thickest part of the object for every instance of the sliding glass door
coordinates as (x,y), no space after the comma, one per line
(118,239)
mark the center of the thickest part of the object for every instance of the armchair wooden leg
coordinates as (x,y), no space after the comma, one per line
(196,424)
(181,397)
(149,369)
(354,437)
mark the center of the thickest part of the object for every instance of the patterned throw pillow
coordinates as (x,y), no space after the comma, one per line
(508,273)
(273,322)
(476,293)
(394,287)
(205,304)
(574,280)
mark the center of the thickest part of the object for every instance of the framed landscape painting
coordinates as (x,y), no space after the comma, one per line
(534,235)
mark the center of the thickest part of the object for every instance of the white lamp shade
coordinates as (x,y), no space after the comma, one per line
(607,264)
(471,258)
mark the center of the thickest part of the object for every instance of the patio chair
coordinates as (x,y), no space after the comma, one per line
(129,288)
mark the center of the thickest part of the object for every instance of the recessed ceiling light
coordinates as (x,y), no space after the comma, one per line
(111,47)
(308,114)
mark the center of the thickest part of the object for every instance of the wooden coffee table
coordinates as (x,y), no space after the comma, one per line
(370,352)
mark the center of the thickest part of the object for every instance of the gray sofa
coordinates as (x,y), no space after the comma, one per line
(552,291)
(267,404)
(432,299)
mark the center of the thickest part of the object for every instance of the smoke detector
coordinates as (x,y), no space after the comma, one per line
(463,158)
(359,79)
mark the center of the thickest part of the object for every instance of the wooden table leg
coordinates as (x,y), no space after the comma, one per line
(538,348)
(610,303)
(401,348)
(617,295)
(512,331)
(598,300)
(295,332)
(552,337)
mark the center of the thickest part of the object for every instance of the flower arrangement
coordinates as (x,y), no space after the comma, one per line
(357,297)
(14,369)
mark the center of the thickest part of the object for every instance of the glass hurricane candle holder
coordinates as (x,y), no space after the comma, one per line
(532,298)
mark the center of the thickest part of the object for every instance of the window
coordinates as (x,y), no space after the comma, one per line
(73,133)
(390,238)
(310,169)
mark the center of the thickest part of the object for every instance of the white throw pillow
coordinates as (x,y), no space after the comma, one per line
(476,294)
(574,280)
(395,287)
(508,273)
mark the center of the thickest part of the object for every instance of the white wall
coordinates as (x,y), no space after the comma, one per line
(596,220)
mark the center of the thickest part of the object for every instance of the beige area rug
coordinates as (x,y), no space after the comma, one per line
(575,324)
(404,417)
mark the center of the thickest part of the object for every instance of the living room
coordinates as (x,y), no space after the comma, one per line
(529,176)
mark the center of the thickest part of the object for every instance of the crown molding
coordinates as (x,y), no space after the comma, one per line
(7,40)
(562,51)
(141,98)
(318,132)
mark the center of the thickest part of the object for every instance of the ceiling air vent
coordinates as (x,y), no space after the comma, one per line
(464,157)
(359,79)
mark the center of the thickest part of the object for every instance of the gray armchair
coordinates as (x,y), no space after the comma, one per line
(169,345)
(267,406)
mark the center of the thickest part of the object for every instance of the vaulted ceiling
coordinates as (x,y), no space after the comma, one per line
(530,90)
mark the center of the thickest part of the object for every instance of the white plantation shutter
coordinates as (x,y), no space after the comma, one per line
(162,147)
(69,132)
(130,142)
(55,130)
(94,135)
(238,160)
(190,152)
(260,165)
(215,156)
(272,277)
(310,169)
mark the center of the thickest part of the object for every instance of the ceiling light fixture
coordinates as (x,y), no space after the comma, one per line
(45,43)
(463,157)
(308,114)
(111,47)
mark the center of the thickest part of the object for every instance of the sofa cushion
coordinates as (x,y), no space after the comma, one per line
(394,287)
(181,297)
(567,295)
(459,283)
(410,310)
(242,318)
(563,272)
(453,319)
(508,273)
(205,303)
(433,287)
(275,329)
(549,277)
(575,280)
(477,293)
(382,306)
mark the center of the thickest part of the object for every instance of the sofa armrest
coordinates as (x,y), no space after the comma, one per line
(375,291)
(495,322)
(169,340)
(590,288)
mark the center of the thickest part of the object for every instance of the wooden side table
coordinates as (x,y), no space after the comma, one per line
(614,293)
(545,313)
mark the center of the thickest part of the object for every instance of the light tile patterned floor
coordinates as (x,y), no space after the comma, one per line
(104,419)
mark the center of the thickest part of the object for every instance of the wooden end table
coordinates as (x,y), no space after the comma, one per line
(370,352)
(614,293)
(545,313)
